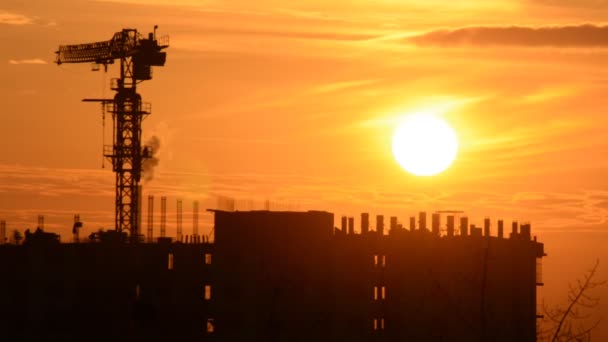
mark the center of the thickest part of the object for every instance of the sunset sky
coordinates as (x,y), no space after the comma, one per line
(295,102)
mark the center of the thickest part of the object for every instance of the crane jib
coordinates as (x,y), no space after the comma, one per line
(123,44)
(83,53)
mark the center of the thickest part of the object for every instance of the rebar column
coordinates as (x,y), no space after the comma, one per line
(163,216)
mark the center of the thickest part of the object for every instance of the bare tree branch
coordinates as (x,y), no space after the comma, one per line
(578,297)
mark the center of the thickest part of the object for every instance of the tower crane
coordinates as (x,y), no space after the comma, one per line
(137,56)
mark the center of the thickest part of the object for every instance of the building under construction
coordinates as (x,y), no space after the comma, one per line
(279,276)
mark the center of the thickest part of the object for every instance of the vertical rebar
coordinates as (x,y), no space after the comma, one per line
(2,232)
(76,229)
(195,220)
(364,223)
(380,224)
(464,226)
(450,225)
(135,224)
(435,222)
(422,220)
(486,226)
(500,228)
(163,216)
(150,218)
(179,220)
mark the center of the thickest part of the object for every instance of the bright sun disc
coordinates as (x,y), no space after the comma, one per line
(424,145)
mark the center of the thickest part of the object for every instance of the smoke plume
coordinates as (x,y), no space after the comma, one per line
(148,164)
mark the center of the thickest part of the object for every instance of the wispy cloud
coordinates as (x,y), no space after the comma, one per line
(592,4)
(344,85)
(89,193)
(193,3)
(550,94)
(9,18)
(27,61)
(436,106)
(587,35)
(337,36)
(52,182)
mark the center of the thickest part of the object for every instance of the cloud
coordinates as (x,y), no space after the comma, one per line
(53,182)
(8,18)
(27,61)
(344,85)
(60,193)
(587,35)
(592,4)
(337,36)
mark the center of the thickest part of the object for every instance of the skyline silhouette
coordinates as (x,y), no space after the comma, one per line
(280,276)
(297,104)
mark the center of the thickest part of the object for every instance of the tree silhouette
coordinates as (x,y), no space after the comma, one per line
(574,322)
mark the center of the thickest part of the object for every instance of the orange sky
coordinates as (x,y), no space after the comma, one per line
(296,102)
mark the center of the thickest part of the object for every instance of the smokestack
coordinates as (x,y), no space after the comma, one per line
(351,225)
(195,220)
(486,227)
(422,220)
(364,223)
(500,229)
(163,216)
(179,220)
(412,223)
(150,218)
(450,225)
(514,229)
(2,232)
(464,226)
(380,224)
(41,221)
(343,225)
(435,223)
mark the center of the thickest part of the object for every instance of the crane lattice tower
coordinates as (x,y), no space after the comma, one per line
(137,55)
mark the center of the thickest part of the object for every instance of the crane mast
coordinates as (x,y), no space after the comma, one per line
(136,56)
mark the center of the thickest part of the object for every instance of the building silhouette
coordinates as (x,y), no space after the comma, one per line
(279,276)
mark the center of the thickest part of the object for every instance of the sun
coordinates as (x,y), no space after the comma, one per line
(424,145)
